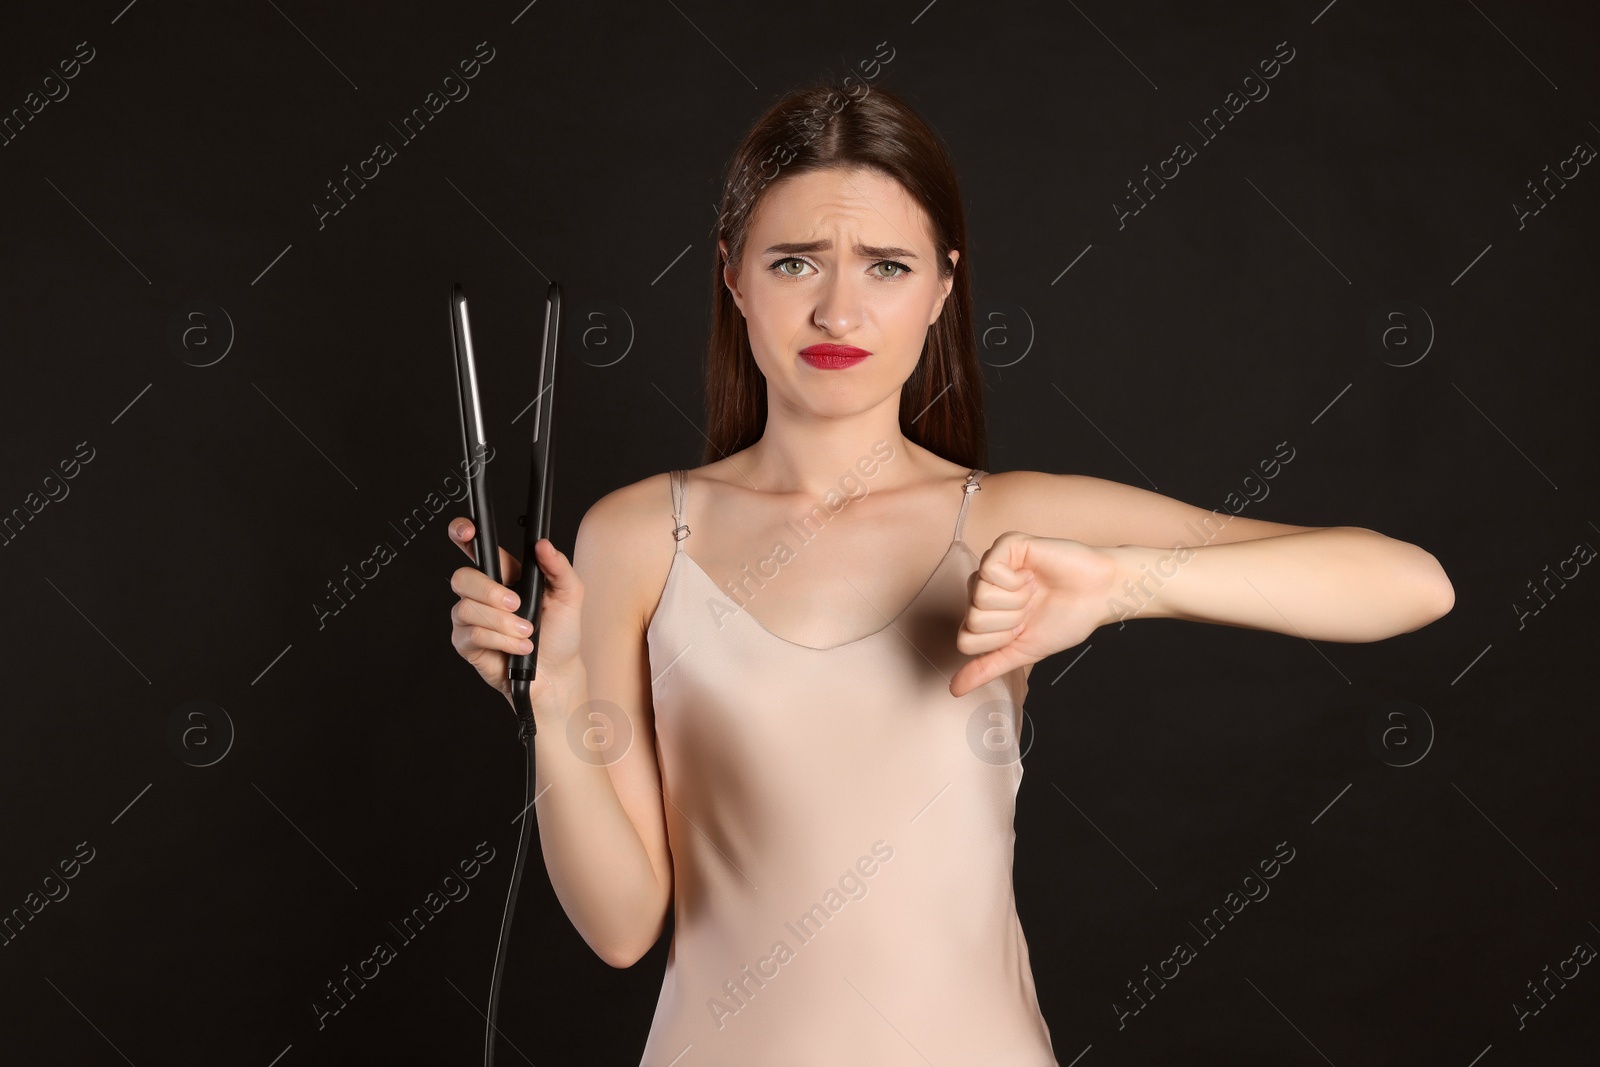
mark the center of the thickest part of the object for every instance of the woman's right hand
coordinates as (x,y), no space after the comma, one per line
(485,629)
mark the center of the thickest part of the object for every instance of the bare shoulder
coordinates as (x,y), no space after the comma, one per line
(1100,511)
(1015,493)
(624,545)
(999,505)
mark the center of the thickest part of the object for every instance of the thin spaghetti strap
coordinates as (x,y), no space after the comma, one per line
(968,488)
(679,492)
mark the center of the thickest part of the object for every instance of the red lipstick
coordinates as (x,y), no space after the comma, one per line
(829,356)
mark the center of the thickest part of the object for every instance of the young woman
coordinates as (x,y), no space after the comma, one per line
(792,714)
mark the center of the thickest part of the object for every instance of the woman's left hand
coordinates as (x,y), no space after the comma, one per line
(1030,597)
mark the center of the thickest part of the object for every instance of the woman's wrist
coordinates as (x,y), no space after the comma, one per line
(562,691)
(1139,575)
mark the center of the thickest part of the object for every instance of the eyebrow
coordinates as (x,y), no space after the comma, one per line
(866,251)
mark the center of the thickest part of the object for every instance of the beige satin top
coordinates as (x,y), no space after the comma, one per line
(841,836)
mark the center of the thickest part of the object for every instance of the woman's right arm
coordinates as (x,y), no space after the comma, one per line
(602,826)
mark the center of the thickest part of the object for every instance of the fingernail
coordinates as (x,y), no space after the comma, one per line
(511,601)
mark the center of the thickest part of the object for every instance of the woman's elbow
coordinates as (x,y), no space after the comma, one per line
(1447,597)
(1435,595)
(620,959)
(626,952)
(623,956)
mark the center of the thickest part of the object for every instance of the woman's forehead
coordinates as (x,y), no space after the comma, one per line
(862,203)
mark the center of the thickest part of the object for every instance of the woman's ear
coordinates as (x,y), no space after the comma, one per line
(730,278)
(945,285)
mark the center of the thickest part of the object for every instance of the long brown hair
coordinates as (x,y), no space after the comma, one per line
(941,403)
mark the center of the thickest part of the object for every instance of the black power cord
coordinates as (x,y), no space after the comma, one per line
(525,733)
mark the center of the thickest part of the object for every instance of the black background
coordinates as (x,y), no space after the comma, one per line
(1242,307)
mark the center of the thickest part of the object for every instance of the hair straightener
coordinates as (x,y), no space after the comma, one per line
(530,587)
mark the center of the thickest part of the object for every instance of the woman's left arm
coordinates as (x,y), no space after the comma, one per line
(1333,583)
(1083,552)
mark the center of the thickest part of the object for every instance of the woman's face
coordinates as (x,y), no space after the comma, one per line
(838,257)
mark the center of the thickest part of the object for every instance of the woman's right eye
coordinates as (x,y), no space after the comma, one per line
(778,267)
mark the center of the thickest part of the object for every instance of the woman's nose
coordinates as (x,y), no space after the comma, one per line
(838,305)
